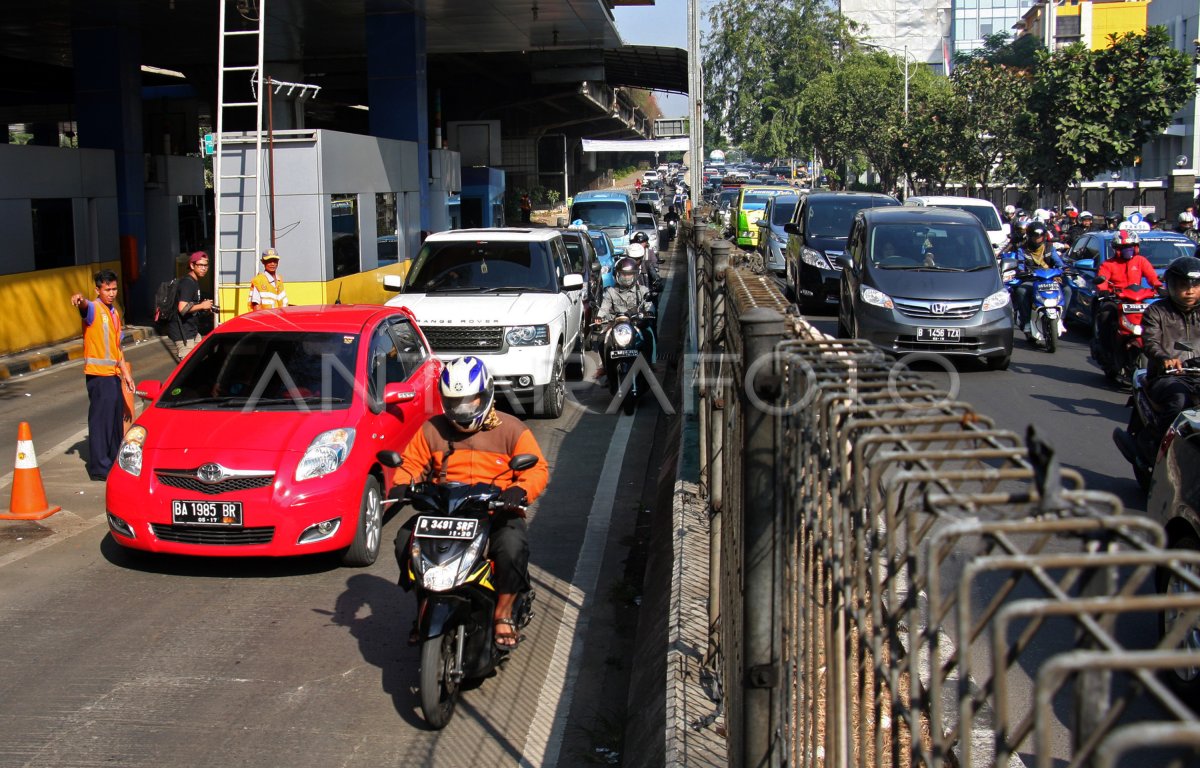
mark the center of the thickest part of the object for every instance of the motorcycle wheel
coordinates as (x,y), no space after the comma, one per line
(439,694)
(1050,332)
(1185,681)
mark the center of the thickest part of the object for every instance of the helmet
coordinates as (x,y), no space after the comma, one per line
(1125,244)
(1085,215)
(1042,215)
(270,255)
(626,272)
(1111,217)
(1071,211)
(1183,273)
(1019,226)
(1035,229)
(640,237)
(635,250)
(1010,209)
(467,393)
(1187,218)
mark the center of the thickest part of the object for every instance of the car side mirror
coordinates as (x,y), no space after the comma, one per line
(762,223)
(394,394)
(845,263)
(572,282)
(393,283)
(149,389)
(522,462)
(791,228)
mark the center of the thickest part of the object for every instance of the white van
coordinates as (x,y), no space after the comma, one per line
(997,230)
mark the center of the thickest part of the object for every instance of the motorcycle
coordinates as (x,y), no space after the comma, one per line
(1125,357)
(626,338)
(450,569)
(1045,316)
(1139,443)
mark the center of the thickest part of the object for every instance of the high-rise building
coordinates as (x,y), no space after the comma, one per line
(974,20)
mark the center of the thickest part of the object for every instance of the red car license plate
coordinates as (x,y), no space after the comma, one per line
(206,512)
(446,527)
(939,334)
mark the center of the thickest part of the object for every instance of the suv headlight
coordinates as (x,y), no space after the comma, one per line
(326,453)
(528,335)
(814,258)
(129,458)
(874,297)
(997,300)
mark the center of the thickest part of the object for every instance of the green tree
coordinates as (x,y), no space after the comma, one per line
(933,142)
(1001,49)
(989,108)
(1091,111)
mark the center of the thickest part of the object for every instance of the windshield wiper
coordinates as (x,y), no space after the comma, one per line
(454,289)
(935,268)
(512,289)
(306,399)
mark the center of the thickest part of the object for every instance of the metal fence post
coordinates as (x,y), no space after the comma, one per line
(763,584)
(712,406)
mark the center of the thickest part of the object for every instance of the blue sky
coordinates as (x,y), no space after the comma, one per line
(664,23)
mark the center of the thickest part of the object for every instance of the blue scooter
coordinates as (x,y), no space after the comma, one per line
(1046,314)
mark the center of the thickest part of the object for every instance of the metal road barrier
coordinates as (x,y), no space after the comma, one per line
(894,581)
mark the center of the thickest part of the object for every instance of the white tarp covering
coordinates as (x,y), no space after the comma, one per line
(636,145)
(893,24)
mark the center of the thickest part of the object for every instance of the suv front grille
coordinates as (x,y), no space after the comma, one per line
(228,485)
(471,338)
(950,310)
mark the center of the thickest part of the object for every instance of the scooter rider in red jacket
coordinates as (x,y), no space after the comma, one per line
(1126,268)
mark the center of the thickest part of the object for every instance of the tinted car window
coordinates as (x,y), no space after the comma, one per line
(942,246)
(782,212)
(277,370)
(831,216)
(478,267)
(985,213)
(576,254)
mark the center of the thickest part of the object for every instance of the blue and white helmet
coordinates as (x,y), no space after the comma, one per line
(467,393)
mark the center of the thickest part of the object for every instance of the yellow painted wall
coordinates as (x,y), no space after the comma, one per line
(363,288)
(1115,19)
(39,305)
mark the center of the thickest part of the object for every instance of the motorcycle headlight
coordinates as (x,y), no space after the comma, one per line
(997,300)
(814,258)
(439,578)
(623,334)
(129,458)
(528,335)
(874,297)
(1049,302)
(325,454)
(1008,274)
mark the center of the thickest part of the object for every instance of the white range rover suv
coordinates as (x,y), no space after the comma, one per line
(506,296)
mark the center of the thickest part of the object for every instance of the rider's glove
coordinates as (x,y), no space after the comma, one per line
(514,496)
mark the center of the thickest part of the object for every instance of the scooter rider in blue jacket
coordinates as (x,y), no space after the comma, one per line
(1037,254)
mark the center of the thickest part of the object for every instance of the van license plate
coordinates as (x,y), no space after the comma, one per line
(206,513)
(939,334)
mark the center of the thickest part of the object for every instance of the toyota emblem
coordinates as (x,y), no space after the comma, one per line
(211,473)
(938,308)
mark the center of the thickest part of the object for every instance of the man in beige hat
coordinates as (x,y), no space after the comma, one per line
(266,289)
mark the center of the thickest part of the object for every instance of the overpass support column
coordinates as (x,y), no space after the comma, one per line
(106,47)
(397,87)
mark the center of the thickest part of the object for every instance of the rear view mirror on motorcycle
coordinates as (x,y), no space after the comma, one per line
(522,462)
(389,458)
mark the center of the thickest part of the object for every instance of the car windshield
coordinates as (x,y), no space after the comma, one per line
(831,217)
(727,197)
(480,266)
(1161,253)
(755,202)
(266,370)
(603,214)
(646,221)
(601,243)
(985,213)
(941,247)
(782,212)
(651,196)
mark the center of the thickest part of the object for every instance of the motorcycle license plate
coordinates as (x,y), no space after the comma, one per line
(446,527)
(1046,287)
(621,353)
(939,334)
(1134,309)
(227,513)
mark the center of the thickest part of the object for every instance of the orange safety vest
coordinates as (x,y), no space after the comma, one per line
(269,295)
(102,342)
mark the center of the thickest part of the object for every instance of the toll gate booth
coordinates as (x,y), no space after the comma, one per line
(482,199)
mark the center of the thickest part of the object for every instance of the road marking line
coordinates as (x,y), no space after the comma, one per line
(53,453)
(65,525)
(544,740)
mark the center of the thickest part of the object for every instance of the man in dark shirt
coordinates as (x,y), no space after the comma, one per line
(189,305)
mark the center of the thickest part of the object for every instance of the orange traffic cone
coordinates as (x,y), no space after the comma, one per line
(28,496)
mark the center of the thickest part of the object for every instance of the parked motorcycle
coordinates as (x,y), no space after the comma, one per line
(1138,442)
(625,339)
(449,567)
(1125,356)
(1046,314)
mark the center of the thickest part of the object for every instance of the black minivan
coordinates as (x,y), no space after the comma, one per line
(925,280)
(817,237)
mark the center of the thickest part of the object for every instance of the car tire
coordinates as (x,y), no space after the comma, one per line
(369,533)
(999,363)
(552,398)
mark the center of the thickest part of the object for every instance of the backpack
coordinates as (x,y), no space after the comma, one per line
(166,301)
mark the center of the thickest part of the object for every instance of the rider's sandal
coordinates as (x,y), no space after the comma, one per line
(514,636)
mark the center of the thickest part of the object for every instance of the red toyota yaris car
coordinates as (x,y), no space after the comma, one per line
(263,441)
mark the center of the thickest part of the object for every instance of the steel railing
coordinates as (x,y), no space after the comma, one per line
(896,581)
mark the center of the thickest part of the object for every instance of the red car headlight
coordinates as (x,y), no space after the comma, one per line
(325,454)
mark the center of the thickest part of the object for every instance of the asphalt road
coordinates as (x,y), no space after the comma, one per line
(299,662)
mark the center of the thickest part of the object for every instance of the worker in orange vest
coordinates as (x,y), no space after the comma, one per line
(266,289)
(104,370)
